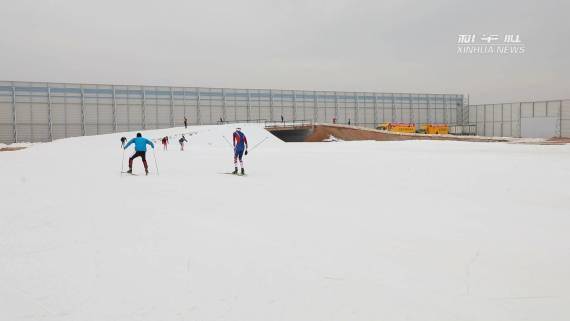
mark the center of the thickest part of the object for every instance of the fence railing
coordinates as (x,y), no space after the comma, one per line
(534,119)
(288,124)
(241,121)
(33,111)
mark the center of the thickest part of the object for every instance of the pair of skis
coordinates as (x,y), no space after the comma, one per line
(234,174)
(133,174)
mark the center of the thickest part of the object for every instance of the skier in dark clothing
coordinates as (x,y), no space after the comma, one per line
(282,119)
(240,145)
(140,150)
(181,141)
(123,141)
(185,122)
(165,142)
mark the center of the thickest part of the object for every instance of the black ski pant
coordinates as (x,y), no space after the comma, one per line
(135,155)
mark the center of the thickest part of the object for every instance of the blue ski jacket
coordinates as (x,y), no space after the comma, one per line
(140,144)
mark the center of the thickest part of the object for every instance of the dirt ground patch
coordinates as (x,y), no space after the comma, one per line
(10,149)
(322,132)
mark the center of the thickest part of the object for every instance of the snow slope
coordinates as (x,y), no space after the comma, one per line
(411,230)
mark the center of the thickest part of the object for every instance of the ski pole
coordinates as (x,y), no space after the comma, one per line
(261,142)
(227,141)
(123,162)
(155,162)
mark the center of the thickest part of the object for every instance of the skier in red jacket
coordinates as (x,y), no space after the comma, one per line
(165,143)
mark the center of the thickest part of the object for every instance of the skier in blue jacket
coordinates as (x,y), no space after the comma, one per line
(140,150)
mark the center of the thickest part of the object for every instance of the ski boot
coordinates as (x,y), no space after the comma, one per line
(235,171)
(130,171)
(146,171)
(242,171)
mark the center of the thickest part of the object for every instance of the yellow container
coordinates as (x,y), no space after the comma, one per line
(437,129)
(402,128)
(398,127)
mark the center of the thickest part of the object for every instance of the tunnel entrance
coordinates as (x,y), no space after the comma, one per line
(292,135)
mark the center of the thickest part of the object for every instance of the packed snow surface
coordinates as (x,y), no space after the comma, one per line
(408,230)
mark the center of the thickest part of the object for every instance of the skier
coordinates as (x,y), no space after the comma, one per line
(123,141)
(181,141)
(240,144)
(185,122)
(282,119)
(334,119)
(165,143)
(140,150)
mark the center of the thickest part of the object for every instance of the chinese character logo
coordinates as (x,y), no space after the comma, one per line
(490,44)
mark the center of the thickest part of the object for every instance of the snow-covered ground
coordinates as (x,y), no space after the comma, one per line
(410,230)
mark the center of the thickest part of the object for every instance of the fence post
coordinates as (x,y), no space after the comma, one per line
(82,112)
(520,119)
(393,109)
(49,114)
(198,107)
(502,118)
(270,104)
(14,119)
(512,134)
(294,105)
(411,109)
(184,100)
(335,107)
(560,118)
(355,109)
(247,116)
(484,120)
(315,106)
(114,112)
(428,117)
(445,108)
(171,107)
(143,109)
(375,118)
(493,119)
(223,104)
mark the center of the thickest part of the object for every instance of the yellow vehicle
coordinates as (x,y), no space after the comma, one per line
(397,127)
(435,129)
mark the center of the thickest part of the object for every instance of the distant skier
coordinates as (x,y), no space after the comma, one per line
(140,150)
(181,141)
(123,141)
(282,119)
(349,121)
(240,145)
(334,119)
(165,143)
(185,122)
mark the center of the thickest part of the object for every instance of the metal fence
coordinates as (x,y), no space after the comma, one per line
(537,119)
(32,111)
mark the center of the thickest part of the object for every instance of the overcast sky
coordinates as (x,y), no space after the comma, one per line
(372,45)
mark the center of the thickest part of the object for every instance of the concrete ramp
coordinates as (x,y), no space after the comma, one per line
(321,132)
